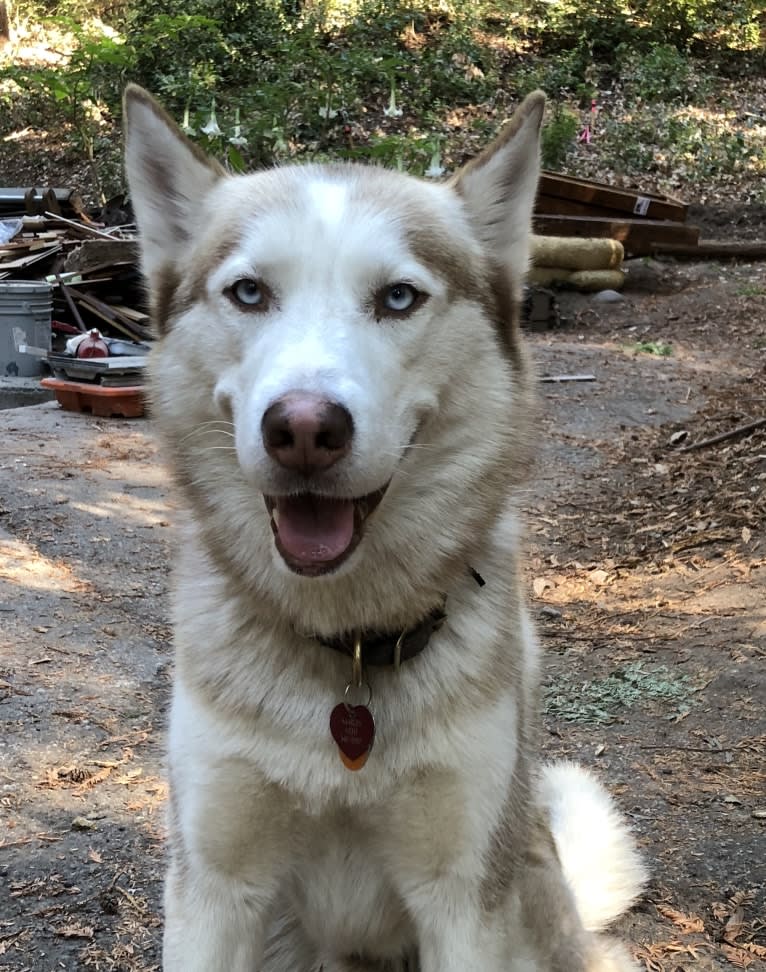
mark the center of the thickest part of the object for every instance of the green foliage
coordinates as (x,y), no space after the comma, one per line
(316,79)
(236,45)
(662,73)
(601,26)
(182,51)
(91,81)
(702,24)
(658,348)
(302,74)
(569,74)
(682,143)
(558,136)
(599,702)
(179,55)
(596,28)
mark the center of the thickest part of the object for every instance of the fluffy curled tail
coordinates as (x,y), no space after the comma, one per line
(598,854)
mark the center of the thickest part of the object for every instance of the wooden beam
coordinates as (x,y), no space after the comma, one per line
(638,236)
(99,254)
(558,206)
(630,202)
(713,250)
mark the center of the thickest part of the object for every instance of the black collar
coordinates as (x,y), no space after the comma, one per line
(384,648)
(387,648)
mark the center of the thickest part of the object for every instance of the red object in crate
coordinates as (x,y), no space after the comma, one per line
(77,396)
(92,346)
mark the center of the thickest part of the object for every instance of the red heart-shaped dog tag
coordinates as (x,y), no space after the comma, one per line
(353,729)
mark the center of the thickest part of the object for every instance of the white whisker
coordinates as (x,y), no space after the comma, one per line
(209,428)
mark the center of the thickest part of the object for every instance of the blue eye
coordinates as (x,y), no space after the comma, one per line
(399,297)
(248,292)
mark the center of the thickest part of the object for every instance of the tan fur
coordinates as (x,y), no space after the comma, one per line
(439,855)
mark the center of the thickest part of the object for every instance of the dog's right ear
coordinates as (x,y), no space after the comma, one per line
(168,176)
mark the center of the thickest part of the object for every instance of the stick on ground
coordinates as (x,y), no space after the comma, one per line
(732,433)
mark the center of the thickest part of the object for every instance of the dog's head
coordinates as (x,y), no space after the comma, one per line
(329,336)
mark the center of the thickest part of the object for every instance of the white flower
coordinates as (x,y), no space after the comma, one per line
(211,129)
(186,127)
(237,139)
(435,168)
(279,144)
(392,111)
(327,112)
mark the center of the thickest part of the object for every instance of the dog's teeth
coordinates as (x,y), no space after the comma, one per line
(275,517)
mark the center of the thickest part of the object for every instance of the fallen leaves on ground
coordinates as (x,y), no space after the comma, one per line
(687,923)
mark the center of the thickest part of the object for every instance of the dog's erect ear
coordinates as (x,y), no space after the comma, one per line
(499,186)
(168,176)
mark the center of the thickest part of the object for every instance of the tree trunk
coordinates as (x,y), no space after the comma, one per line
(5,21)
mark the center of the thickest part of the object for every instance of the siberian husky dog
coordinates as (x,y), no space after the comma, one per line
(342,394)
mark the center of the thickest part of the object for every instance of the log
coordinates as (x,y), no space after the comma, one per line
(576,254)
(594,280)
(32,201)
(546,276)
(638,236)
(713,250)
(587,280)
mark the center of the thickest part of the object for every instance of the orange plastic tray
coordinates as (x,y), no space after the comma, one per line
(77,396)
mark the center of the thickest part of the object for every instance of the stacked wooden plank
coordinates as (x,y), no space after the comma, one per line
(642,222)
(44,241)
(97,297)
(17,256)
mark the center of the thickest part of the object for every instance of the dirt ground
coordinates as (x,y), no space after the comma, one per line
(646,574)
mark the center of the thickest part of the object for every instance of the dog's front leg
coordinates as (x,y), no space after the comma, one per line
(230,852)
(453,933)
(436,841)
(213,923)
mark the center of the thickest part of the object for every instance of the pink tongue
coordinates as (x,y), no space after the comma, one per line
(314,529)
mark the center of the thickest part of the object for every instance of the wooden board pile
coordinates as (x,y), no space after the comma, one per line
(92,267)
(584,231)
(644,223)
(99,328)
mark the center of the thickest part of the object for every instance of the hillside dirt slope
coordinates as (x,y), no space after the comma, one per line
(646,574)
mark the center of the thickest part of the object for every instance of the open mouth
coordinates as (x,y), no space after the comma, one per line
(315,534)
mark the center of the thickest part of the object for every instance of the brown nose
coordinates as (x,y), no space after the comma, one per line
(305,433)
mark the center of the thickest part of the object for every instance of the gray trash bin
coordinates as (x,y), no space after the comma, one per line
(25,307)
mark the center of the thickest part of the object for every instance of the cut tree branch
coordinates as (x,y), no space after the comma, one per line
(731,434)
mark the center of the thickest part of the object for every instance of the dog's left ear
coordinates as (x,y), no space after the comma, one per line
(499,186)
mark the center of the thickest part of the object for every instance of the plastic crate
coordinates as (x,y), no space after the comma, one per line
(77,396)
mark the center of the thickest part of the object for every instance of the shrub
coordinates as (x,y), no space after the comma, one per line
(662,73)
(558,136)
